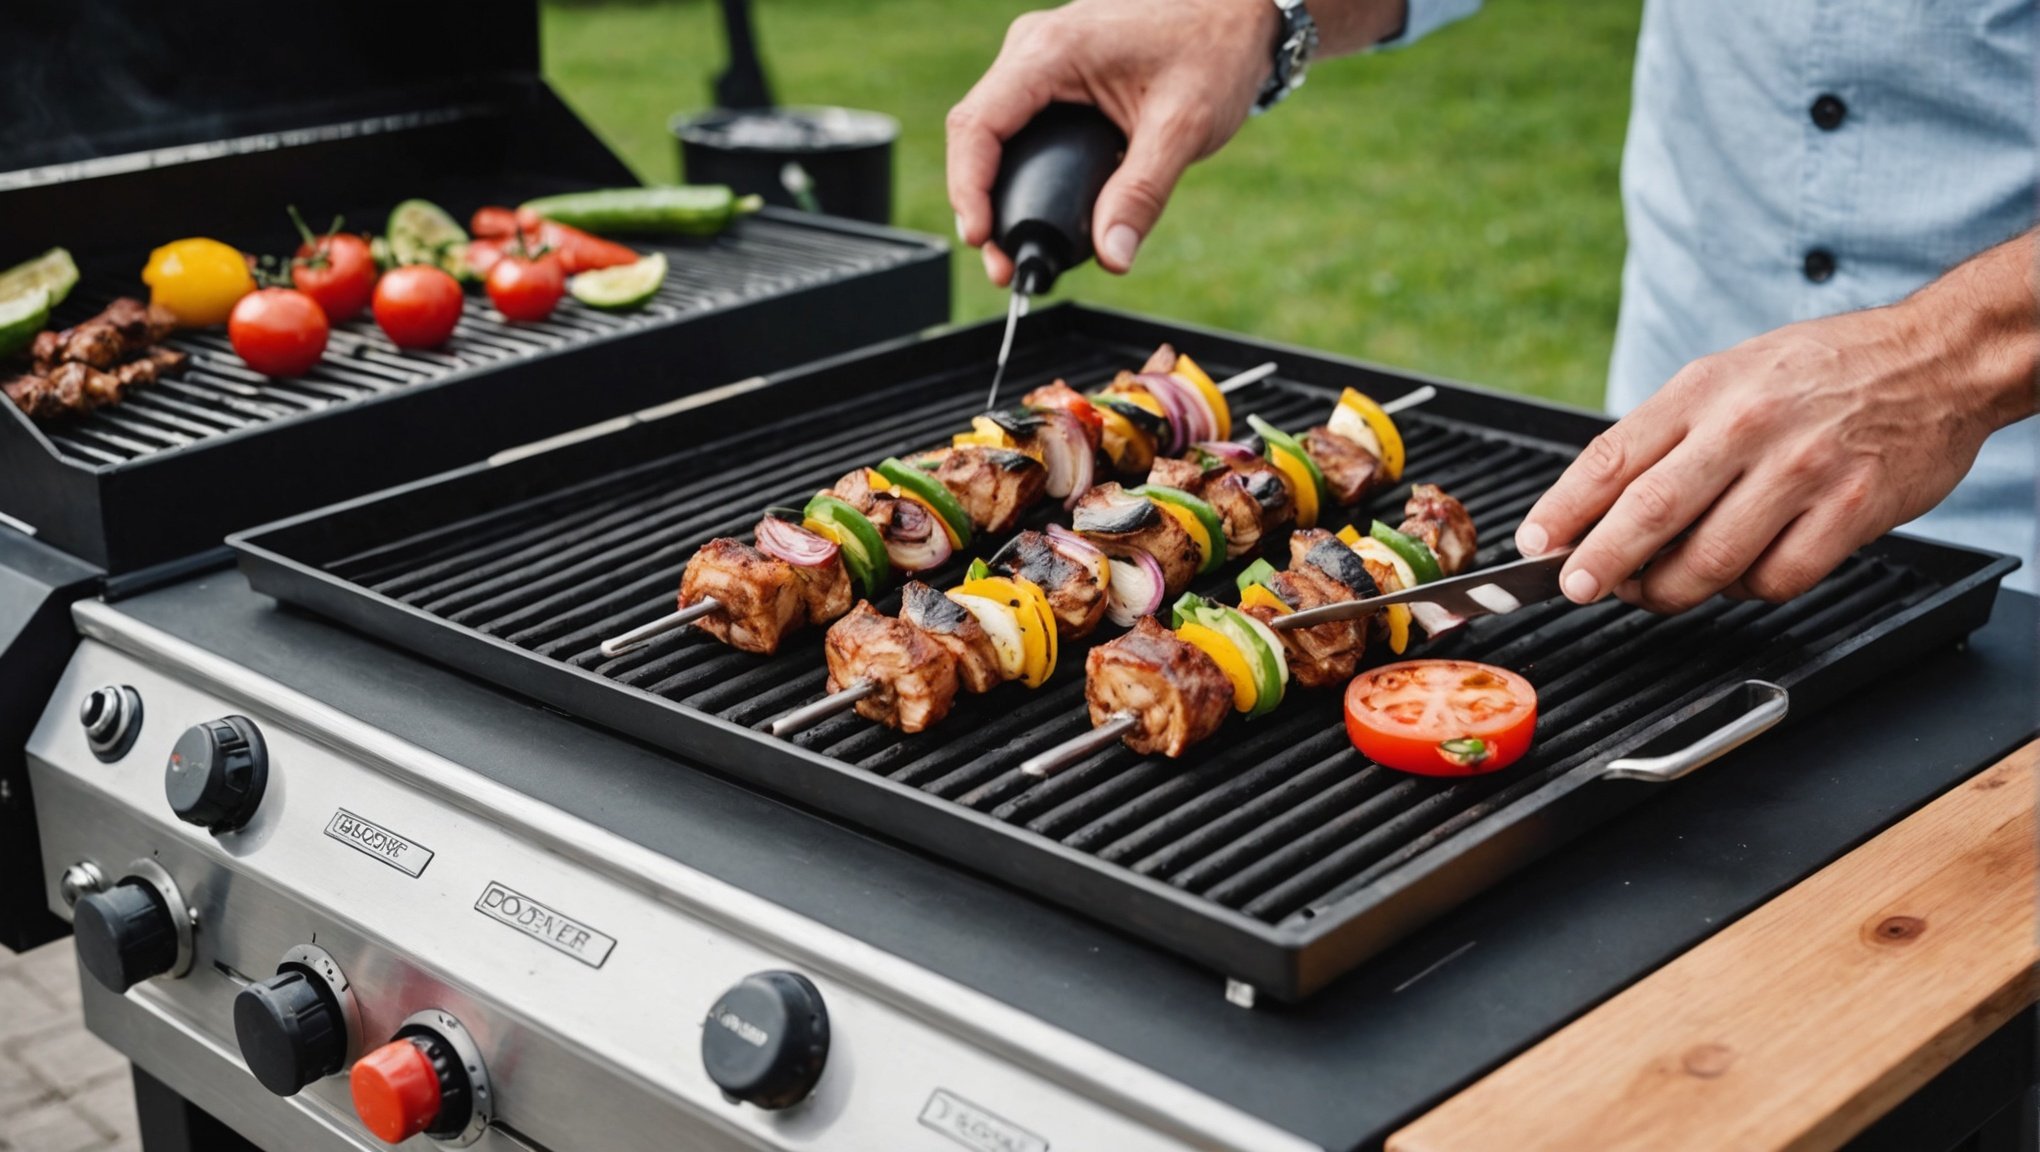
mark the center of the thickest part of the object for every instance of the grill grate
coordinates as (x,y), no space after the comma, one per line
(217,394)
(1276,821)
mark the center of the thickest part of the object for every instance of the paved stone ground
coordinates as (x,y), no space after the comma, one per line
(61,1089)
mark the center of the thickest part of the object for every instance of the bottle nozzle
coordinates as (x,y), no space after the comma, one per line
(1033,271)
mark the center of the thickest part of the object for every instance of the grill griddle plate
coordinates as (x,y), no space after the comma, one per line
(1274,852)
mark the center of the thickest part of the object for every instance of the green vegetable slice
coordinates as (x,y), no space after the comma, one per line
(686,209)
(1267,668)
(623,287)
(1205,514)
(863,548)
(421,232)
(1259,572)
(1280,441)
(1411,549)
(933,491)
(978,570)
(21,318)
(52,271)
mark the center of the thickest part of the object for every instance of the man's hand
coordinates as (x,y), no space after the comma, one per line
(1177,76)
(1765,466)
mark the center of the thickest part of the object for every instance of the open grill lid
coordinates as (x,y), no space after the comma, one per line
(129,126)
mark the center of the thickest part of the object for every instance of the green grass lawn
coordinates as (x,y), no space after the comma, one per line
(1450,207)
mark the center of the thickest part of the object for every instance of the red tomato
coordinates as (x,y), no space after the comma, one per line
(526,289)
(339,274)
(1441,717)
(417,306)
(278,331)
(496,223)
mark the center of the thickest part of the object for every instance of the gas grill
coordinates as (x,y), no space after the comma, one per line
(1273,853)
(194,149)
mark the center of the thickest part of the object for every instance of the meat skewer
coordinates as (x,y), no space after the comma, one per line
(1160,692)
(993,507)
(1141,529)
(94,363)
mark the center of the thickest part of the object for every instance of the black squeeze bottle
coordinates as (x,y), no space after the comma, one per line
(1050,175)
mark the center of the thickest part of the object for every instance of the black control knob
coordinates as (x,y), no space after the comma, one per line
(217,772)
(125,934)
(292,1030)
(766,1040)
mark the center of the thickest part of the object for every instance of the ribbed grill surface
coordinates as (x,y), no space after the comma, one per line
(217,393)
(1274,819)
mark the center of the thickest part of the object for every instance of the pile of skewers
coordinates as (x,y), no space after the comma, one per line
(1126,552)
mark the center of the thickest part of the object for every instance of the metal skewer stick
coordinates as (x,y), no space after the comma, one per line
(1409,400)
(1254,375)
(807,716)
(618,645)
(1077,748)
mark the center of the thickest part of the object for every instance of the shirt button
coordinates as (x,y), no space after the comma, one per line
(1829,111)
(1819,266)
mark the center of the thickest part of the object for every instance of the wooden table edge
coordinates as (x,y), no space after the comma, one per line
(1679,1059)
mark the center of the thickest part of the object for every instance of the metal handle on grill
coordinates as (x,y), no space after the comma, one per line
(1773,703)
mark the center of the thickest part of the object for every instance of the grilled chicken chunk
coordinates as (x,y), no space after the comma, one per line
(915,676)
(760,596)
(952,626)
(149,367)
(1075,594)
(1056,395)
(1176,693)
(854,489)
(1162,362)
(1442,524)
(1349,469)
(1323,654)
(995,485)
(825,592)
(81,387)
(1122,524)
(33,395)
(1245,518)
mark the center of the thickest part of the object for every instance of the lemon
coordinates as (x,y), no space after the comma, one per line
(198,279)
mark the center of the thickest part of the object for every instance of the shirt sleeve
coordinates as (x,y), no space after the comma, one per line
(1427,16)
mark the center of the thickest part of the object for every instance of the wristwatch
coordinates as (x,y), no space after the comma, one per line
(1296,42)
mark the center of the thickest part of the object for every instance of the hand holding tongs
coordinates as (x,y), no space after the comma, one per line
(1490,591)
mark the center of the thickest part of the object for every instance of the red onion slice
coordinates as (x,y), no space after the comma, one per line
(1062,444)
(1137,590)
(785,540)
(914,542)
(1074,548)
(1174,410)
(1194,397)
(1230,451)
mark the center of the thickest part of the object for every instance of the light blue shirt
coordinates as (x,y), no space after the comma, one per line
(1751,202)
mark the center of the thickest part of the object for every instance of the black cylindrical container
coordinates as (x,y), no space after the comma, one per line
(840,157)
(1050,175)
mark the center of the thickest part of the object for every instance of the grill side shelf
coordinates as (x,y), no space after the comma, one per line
(1274,854)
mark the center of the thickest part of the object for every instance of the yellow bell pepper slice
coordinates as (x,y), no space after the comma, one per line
(1130,449)
(1201,380)
(1039,601)
(1349,536)
(1398,627)
(1301,482)
(1195,527)
(1261,596)
(1383,425)
(1034,638)
(1229,660)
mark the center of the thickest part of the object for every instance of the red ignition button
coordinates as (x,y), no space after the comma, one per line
(396,1091)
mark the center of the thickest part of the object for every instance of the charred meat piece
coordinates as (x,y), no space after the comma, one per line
(825,592)
(854,489)
(46,350)
(1350,470)
(1443,525)
(1175,693)
(1226,491)
(995,485)
(952,626)
(1170,472)
(1323,654)
(1121,524)
(149,367)
(915,677)
(82,387)
(1162,362)
(1056,395)
(139,324)
(94,342)
(33,395)
(1075,594)
(760,596)
(1318,549)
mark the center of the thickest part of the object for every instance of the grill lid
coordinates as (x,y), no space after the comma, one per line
(88,81)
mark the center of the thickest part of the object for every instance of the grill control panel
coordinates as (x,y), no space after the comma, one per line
(357,942)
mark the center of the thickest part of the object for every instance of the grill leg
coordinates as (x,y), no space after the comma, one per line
(170,1123)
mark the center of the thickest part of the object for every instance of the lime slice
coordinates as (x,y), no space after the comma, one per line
(624,286)
(421,232)
(52,270)
(21,318)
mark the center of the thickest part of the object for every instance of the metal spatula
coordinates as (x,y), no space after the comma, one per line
(1490,591)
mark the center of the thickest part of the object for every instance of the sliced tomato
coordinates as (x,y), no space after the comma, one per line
(1441,717)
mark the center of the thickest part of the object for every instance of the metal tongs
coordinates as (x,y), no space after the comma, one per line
(1490,591)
